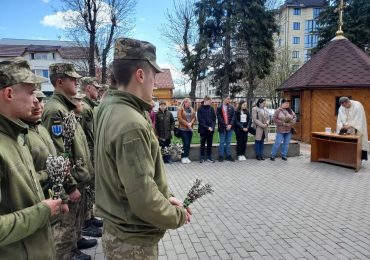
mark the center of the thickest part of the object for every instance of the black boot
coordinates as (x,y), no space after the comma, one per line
(76,254)
(84,243)
(91,231)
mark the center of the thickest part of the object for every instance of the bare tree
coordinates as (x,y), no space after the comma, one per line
(181,31)
(284,66)
(96,23)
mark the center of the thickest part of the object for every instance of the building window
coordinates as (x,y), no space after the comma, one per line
(297,11)
(296,40)
(316,12)
(39,56)
(296,106)
(42,73)
(295,55)
(307,55)
(310,26)
(296,25)
(310,41)
(295,67)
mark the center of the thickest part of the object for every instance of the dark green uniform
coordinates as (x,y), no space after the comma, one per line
(41,146)
(131,184)
(87,121)
(24,220)
(68,231)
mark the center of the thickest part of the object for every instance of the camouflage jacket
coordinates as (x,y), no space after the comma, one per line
(131,183)
(24,220)
(52,117)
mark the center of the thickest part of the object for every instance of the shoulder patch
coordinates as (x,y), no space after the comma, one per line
(56,127)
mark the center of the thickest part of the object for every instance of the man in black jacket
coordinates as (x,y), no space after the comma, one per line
(207,121)
(164,124)
(226,120)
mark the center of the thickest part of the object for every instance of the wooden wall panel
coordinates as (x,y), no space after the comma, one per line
(306,115)
(323,107)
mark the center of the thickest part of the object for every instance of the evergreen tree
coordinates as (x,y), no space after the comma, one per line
(356,26)
(238,40)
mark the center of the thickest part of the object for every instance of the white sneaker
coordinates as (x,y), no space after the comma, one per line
(187,160)
(244,158)
(183,160)
(240,158)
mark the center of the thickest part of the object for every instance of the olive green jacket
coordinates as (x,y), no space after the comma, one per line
(24,220)
(131,183)
(53,114)
(41,146)
(87,121)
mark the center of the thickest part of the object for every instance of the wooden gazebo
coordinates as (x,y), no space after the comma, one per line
(339,69)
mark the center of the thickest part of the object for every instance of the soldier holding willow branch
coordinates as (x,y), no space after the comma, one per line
(64,79)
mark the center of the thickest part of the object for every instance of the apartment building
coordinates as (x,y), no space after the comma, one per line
(297,24)
(40,54)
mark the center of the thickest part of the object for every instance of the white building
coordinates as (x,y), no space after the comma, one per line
(40,54)
(205,87)
(298,28)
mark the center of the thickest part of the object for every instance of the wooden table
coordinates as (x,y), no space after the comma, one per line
(344,150)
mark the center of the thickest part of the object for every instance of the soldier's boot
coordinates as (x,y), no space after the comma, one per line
(91,231)
(93,221)
(84,243)
(76,254)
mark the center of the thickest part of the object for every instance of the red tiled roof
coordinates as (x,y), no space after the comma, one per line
(339,64)
(164,79)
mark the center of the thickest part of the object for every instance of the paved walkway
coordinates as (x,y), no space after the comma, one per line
(271,210)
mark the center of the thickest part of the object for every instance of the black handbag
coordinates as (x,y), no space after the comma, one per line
(177,132)
(252,130)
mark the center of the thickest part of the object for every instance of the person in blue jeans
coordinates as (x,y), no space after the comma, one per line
(260,117)
(186,117)
(284,119)
(226,119)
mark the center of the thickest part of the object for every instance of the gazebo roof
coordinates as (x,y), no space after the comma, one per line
(340,64)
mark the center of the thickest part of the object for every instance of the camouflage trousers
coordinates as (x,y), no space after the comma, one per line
(116,249)
(69,229)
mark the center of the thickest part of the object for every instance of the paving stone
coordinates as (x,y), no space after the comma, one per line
(270,210)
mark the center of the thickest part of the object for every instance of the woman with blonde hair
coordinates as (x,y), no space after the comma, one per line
(186,118)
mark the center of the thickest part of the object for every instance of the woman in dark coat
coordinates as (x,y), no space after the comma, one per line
(165,124)
(243,122)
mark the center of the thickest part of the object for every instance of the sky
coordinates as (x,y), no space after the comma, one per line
(38,19)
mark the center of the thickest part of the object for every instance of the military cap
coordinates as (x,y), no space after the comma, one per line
(39,94)
(132,49)
(89,81)
(79,96)
(64,68)
(17,70)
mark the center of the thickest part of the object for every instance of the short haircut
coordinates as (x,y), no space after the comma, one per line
(343,100)
(207,98)
(124,69)
(55,77)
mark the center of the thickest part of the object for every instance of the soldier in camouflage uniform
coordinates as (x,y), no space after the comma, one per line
(132,194)
(25,231)
(64,79)
(41,146)
(90,88)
